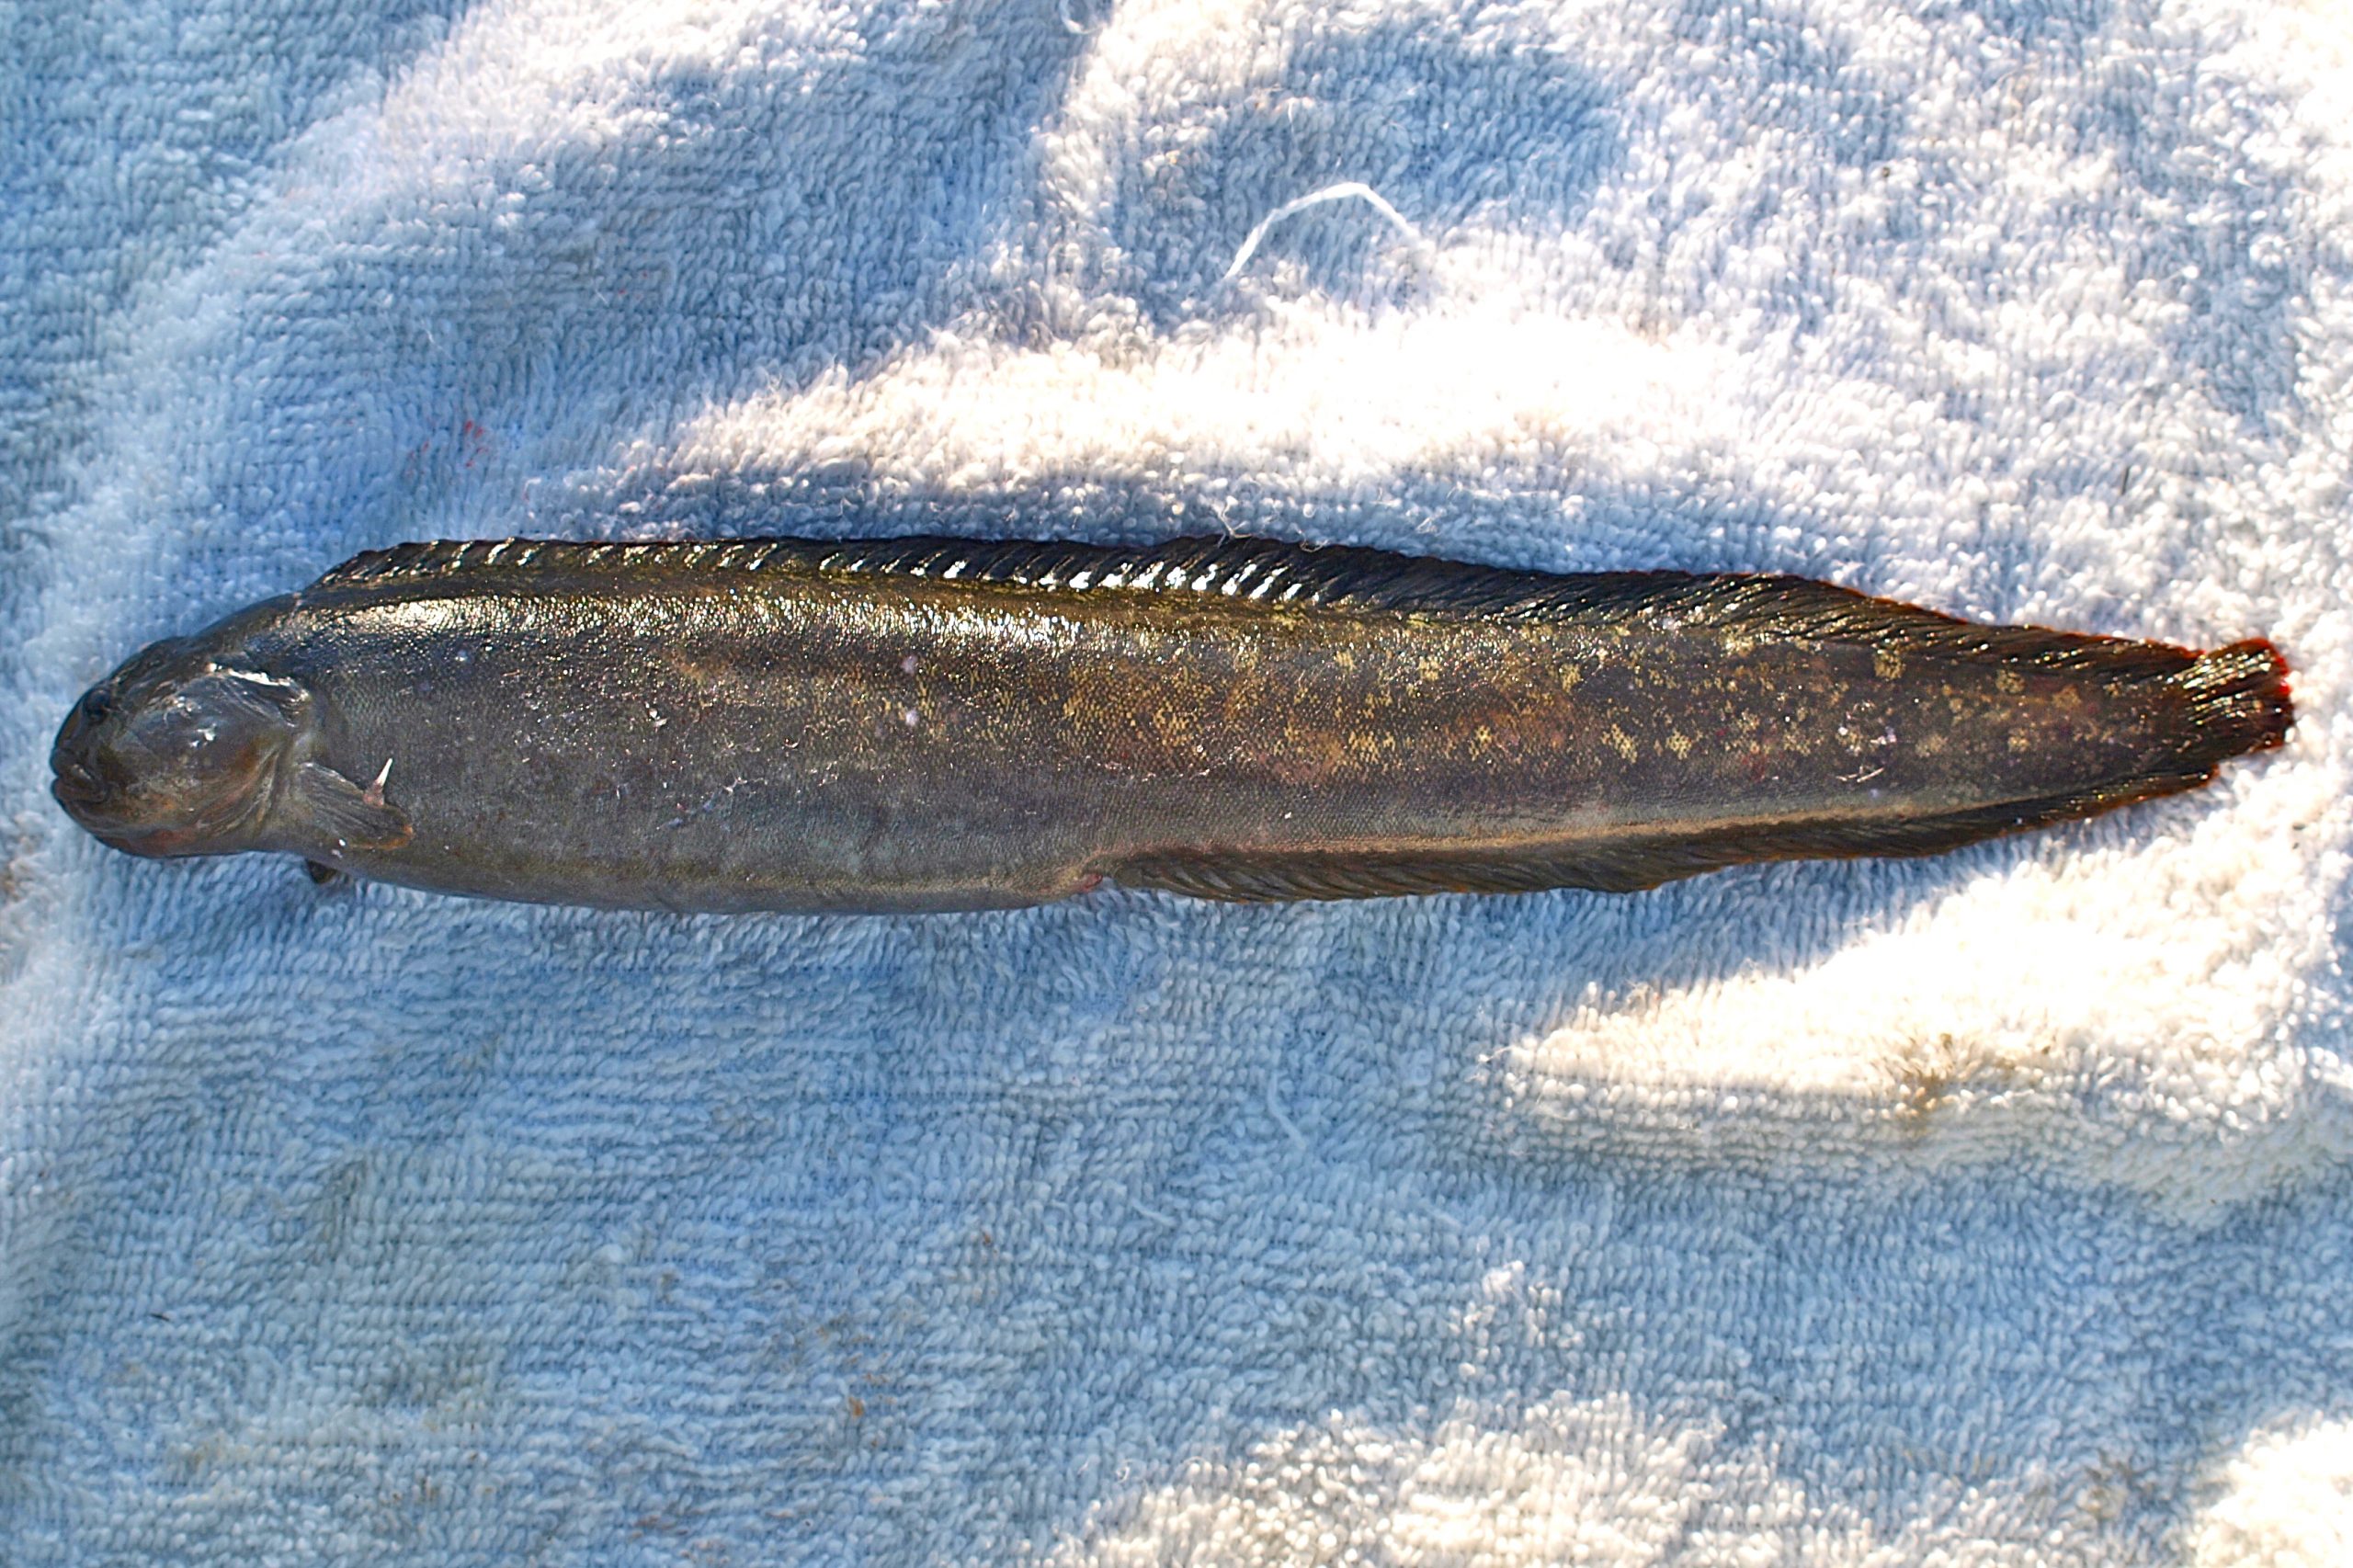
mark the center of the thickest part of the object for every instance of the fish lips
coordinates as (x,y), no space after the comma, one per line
(92,803)
(77,783)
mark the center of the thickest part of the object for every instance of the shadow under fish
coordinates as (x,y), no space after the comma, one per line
(928,723)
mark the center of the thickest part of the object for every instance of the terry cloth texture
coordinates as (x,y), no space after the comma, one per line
(1985,1209)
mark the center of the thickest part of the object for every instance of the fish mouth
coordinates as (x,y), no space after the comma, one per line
(93,798)
(78,790)
(77,784)
(91,804)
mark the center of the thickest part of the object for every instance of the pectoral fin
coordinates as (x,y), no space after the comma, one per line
(353,817)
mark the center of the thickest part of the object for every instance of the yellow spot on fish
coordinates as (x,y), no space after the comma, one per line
(1680,745)
(1623,742)
(1886,663)
(1929,744)
(2021,741)
(2009,681)
(1570,676)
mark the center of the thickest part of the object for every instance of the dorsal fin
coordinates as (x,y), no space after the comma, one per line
(1276,571)
(1210,564)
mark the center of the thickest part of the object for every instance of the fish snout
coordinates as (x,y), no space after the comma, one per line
(91,792)
(78,784)
(90,776)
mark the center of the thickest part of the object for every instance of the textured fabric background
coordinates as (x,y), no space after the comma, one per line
(1987,1209)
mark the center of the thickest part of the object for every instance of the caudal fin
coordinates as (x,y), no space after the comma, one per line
(2236,700)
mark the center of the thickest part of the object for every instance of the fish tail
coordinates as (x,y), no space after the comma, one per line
(2205,708)
(2234,700)
(2198,711)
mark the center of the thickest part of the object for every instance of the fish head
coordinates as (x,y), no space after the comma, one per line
(175,754)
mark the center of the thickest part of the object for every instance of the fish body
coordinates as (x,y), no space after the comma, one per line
(931,723)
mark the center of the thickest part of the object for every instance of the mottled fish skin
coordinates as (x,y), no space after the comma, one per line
(933,725)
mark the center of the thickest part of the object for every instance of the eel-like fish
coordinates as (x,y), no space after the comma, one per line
(934,724)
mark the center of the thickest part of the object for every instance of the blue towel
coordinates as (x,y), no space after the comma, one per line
(1991,1209)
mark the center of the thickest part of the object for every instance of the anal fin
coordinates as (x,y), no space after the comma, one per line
(1620,863)
(1261,877)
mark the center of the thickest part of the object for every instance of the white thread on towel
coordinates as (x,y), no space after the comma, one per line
(1340,193)
(1275,1109)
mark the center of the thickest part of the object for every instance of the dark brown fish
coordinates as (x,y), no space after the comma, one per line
(929,723)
